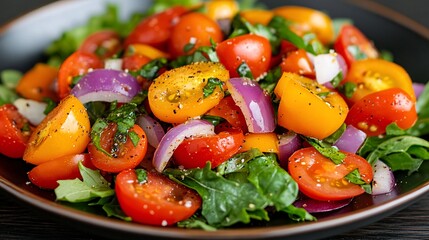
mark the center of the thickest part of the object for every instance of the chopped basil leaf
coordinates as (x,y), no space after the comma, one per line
(244,71)
(96,130)
(134,137)
(348,89)
(113,209)
(188,47)
(10,78)
(356,52)
(7,95)
(337,79)
(268,83)
(141,175)
(215,120)
(326,150)
(75,80)
(336,135)
(51,104)
(355,178)
(150,70)
(386,55)
(323,94)
(211,85)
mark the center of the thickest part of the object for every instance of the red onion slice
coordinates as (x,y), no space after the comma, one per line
(350,140)
(418,89)
(288,144)
(316,206)
(152,128)
(106,85)
(383,180)
(254,103)
(175,136)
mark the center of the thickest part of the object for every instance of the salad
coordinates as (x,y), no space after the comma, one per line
(214,114)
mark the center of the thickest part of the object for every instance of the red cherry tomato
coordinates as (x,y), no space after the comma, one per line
(375,111)
(299,63)
(48,173)
(103,43)
(319,178)
(197,151)
(251,49)
(228,110)
(75,65)
(13,139)
(158,201)
(127,155)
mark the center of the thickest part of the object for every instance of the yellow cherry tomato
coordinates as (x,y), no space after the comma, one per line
(308,20)
(178,94)
(221,9)
(145,50)
(255,16)
(373,75)
(265,142)
(64,131)
(309,108)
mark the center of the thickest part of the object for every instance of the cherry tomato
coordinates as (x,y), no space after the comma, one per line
(306,20)
(156,29)
(372,75)
(221,9)
(353,45)
(103,43)
(47,174)
(319,178)
(38,82)
(124,156)
(145,50)
(251,49)
(228,110)
(13,137)
(64,131)
(158,201)
(309,108)
(75,65)
(375,111)
(257,16)
(197,151)
(134,62)
(193,28)
(265,142)
(178,94)
(299,63)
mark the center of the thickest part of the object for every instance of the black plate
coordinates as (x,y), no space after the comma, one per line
(22,42)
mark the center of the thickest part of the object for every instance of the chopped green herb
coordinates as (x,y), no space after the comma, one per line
(326,150)
(355,178)
(141,175)
(51,104)
(211,85)
(10,78)
(348,89)
(244,71)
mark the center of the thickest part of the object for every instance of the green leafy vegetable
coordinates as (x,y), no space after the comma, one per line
(211,85)
(326,150)
(51,104)
(355,178)
(7,95)
(348,89)
(10,78)
(244,71)
(141,175)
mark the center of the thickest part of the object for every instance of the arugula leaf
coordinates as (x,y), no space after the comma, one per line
(113,209)
(93,186)
(326,150)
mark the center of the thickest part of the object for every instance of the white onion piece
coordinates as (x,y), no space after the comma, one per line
(152,128)
(326,67)
(254,103)
(31,110)
(418,89)
(106,85)
(350,140)
(383,180)
(175,136)
(288,144)
(113,63)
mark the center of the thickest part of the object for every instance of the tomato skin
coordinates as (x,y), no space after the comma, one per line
(351,36)
(319,178)
(159,201)
(196,151)
(228,110)
(64,131)
(156,29)
(375,111)
(221,9)
(129,156)
(134,62)
(372,75)
(47,174)
(255,16)
(299,63)
(265,142)
(76,64)
(251,49)
(13,140)
(107,40)
(195,28)
(45,77)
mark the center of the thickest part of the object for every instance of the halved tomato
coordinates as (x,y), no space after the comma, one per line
(13,135)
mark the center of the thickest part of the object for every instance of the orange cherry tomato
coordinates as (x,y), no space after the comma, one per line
(299,63)
(375,111)
(145,50)
(319,178)
(13,139)
(193,28)
(265,142)
(75,65)
(124,156)
(228,110)
(103,43)
(308,20)
(64,131)
(257,16)
(158,201)
(38,83)
(47,174)
(221,9)
(309,108)
(178,94)
(353,45)
(372,75)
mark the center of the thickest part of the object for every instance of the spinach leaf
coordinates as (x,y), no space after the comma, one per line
(326,149)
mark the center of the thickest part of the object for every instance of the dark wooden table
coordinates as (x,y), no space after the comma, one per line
(20,221)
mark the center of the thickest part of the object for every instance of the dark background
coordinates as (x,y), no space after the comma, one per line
(18,221)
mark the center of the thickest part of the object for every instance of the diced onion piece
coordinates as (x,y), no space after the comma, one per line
(288,144)
(350,140)
(254,103)
(383,180)
(316,206)
(31,110)
(418,89)
(152,128)
(106,85)
(343,65)
(175,136)
(113,63)
(326,67)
